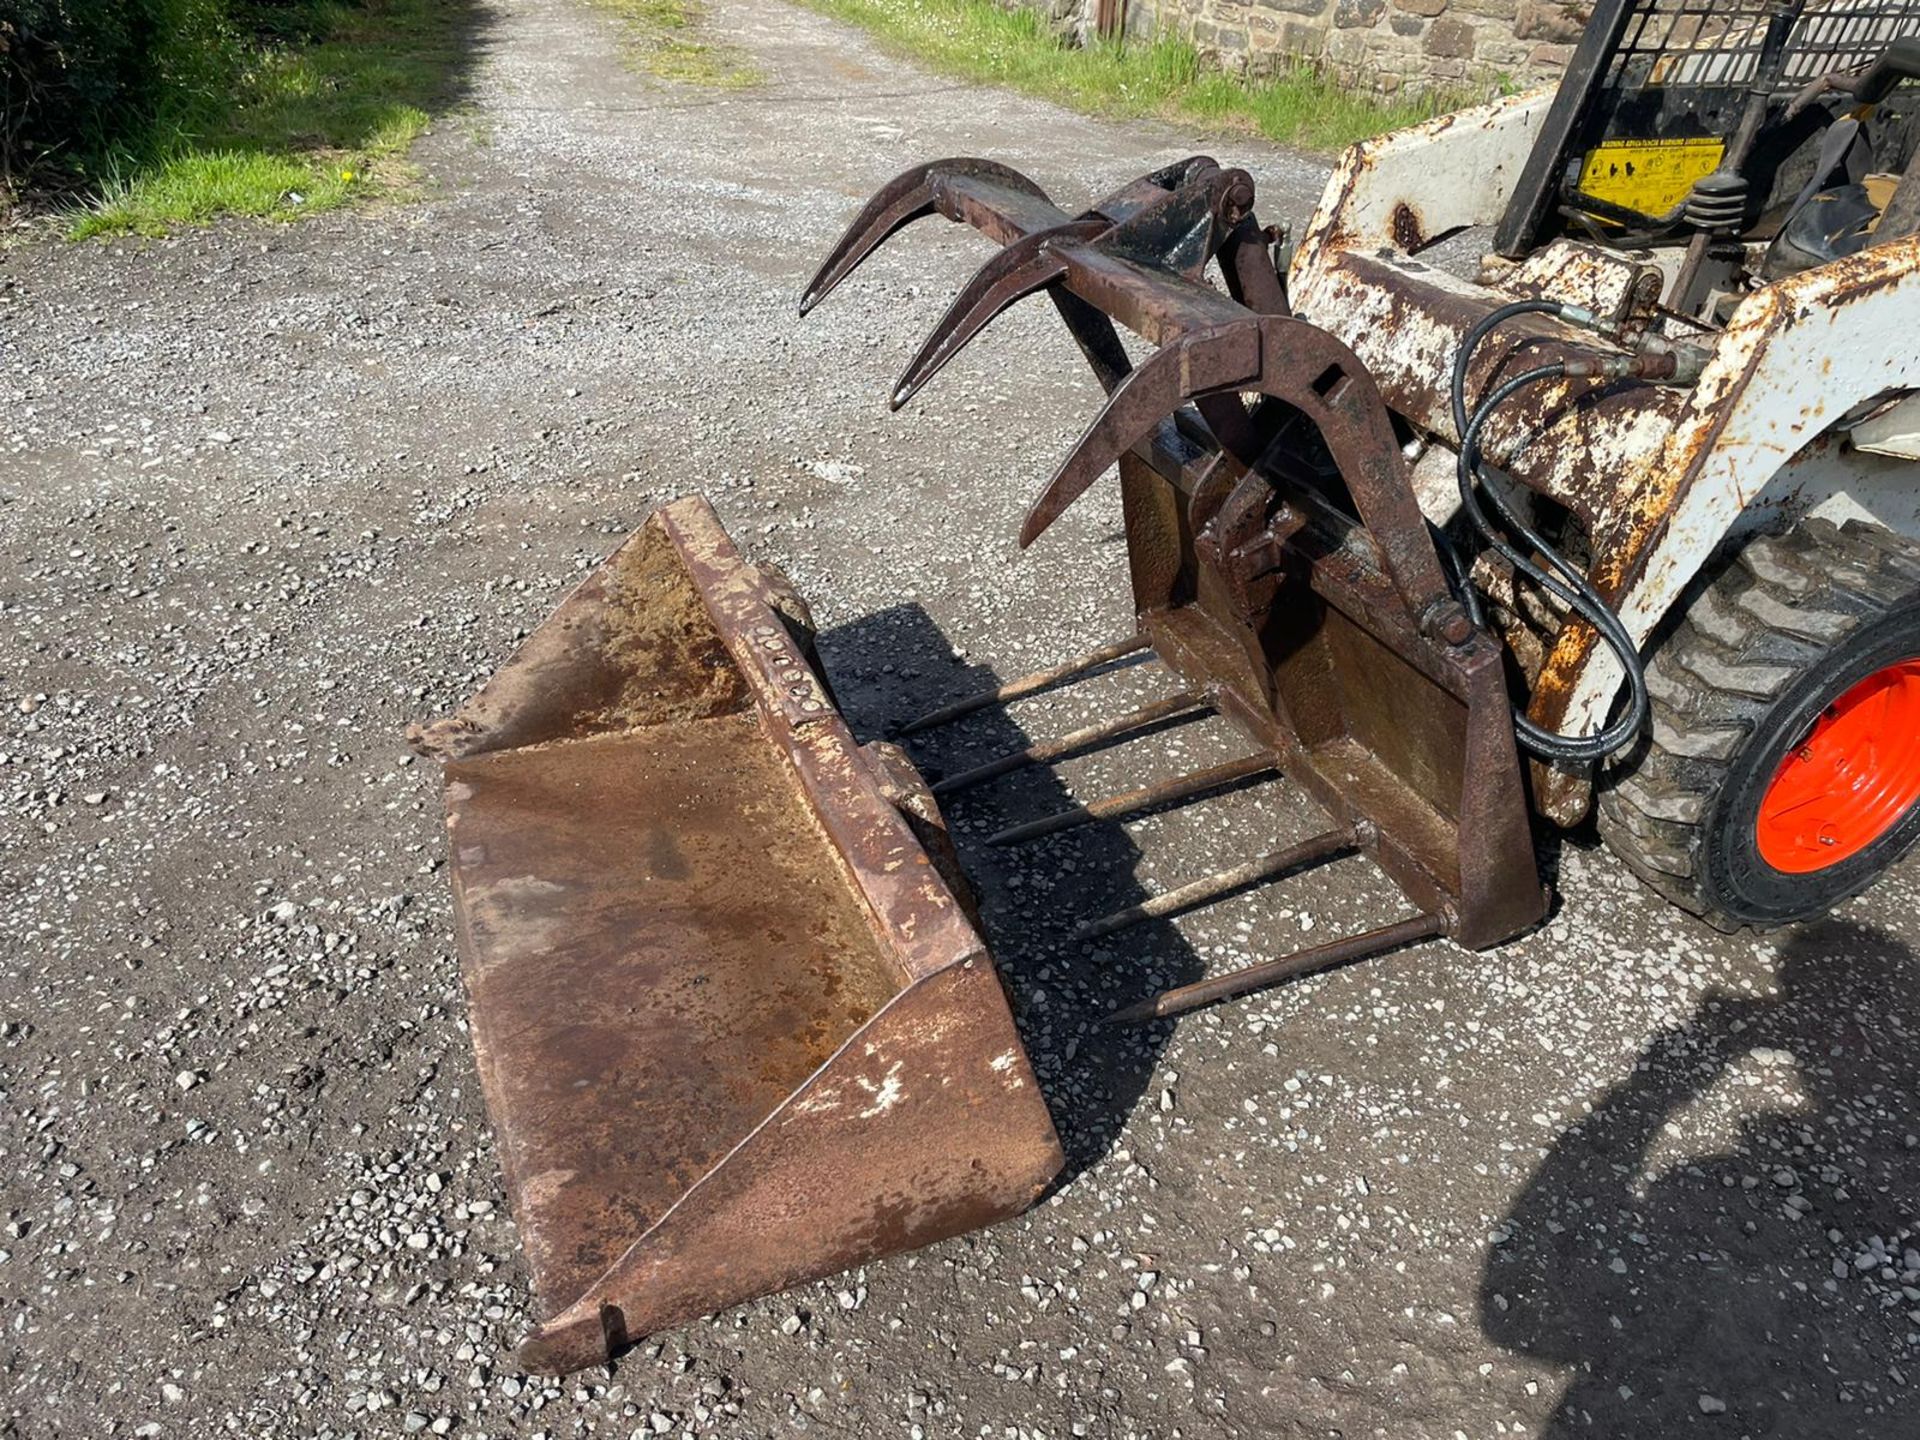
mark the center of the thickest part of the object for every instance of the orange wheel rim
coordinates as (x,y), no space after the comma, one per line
(1850,779)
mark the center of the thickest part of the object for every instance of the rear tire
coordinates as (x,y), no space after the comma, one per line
(1801,631)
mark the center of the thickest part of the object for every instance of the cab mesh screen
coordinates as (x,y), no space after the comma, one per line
(1715,44)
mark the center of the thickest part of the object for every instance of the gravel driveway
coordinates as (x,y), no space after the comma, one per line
(269,493)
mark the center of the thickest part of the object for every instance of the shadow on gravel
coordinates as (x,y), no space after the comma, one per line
(895,664)
(1764,1289)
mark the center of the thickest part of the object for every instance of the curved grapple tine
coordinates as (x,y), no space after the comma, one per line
(1204,362)
(903,199)
(1012,274)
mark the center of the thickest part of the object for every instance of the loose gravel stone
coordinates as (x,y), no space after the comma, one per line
(269,493)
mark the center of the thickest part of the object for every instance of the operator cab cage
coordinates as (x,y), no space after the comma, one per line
(1656,91)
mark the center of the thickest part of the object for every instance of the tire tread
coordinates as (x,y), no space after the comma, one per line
(1778,611)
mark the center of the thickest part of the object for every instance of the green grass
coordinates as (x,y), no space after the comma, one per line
(663,39)
(313,120)
(977,40)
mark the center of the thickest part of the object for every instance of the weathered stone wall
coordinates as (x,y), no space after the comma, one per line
(1383,45)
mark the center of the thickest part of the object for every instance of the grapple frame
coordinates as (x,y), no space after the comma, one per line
(1280,566)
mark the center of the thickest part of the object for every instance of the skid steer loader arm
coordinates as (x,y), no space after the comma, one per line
(734,1024)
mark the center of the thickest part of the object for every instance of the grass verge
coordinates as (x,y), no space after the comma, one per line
(663,39)
(977,40)
(315,117)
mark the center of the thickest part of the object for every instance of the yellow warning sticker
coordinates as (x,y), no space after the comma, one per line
(1648,176)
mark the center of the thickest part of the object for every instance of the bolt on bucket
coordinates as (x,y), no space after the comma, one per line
(735,1026)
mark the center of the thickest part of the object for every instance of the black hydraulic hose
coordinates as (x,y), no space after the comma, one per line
(1471,342)
(1460,424)
(1569,584)
(1458,580)
(1579,595)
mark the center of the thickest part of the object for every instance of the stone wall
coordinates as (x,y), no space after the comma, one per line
(1383,45)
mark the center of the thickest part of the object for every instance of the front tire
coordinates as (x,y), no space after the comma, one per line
(1783,772)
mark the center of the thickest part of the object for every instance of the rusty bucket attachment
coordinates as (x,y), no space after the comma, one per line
(734,1023)
(1281,568)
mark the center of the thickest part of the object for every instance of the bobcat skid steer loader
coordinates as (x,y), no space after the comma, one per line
(1624,505)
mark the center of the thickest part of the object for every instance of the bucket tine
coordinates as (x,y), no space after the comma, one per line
(1025,685)
(1288,967)
(1011,275)
(905,198)
(1186,701)
(1146,797)
(1221,882)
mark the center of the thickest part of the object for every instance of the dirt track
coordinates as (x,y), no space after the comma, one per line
(267,494)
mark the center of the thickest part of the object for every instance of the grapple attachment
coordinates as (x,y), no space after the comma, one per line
(734,1023)
(1281,567)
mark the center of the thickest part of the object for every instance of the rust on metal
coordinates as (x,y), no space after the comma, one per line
(1314,615)
(1657,476)
(734,1025)
(1025,266)
(921,191)
(1408,233)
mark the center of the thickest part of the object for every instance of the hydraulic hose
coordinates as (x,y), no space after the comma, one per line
(1561,579)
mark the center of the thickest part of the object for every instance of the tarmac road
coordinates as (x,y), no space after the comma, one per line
(269,493)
